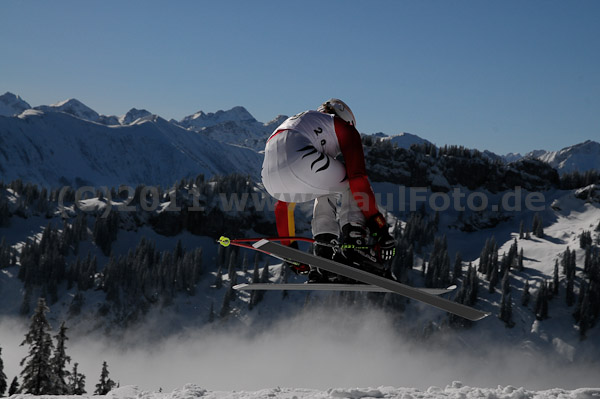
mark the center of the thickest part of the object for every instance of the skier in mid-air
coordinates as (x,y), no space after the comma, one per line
(300,165)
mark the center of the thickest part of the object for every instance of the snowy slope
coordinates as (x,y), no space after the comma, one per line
(56,148)
(455,390)
(11,104)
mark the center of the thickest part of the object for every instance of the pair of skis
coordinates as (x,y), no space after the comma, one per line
(372,282)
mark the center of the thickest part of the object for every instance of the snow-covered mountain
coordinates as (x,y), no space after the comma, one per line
(58,148)
(11,104)
(402,140)
(73,107)
(580,157)
(235,126)
(133,115)
(201,119)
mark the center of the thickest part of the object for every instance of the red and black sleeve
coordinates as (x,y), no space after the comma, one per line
(352,150)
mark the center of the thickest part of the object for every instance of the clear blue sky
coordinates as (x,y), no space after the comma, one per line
(502,75)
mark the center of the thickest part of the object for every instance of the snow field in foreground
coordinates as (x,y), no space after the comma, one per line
(456,390)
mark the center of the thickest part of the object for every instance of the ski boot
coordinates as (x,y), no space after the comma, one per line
(324,247)
(356,250)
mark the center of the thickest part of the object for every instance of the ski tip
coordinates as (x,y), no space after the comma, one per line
(452,287)
(260,243)
(483,316)
(240,286)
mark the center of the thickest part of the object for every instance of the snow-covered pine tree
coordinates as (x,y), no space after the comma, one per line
(105,384)
(76,381)
(3,383)
(59,363)
(37,376)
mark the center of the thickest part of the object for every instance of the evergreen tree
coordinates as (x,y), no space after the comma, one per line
(473,288)
(526,295)
(538,226)
(59,362)
(245,264)
(564,261)
(219,278)
(555,278)
(520,265)
(587,263)
(38,377)
(493,279)
(506,310)
(227,298)
(76,381)
(570,294)
(3,383)
(521,230)
(506,282)
(255,296)
(264,276)
(585,239)
(585,321)
(578,309)
(106,384)
(541,302)
(457,270)
(14,386)
(211,313)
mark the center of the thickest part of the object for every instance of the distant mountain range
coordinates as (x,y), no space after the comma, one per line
(70,143)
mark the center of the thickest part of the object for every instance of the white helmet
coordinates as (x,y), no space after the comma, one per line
(337,107)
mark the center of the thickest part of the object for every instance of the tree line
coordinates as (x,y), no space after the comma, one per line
(45,368)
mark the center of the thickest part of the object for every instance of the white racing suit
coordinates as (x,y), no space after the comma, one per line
(300,166)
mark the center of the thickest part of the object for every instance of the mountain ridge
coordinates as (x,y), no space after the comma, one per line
(237,127)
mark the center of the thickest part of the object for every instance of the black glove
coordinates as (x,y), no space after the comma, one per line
(386,244)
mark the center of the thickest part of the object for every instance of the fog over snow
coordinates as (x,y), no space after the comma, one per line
(318,349)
